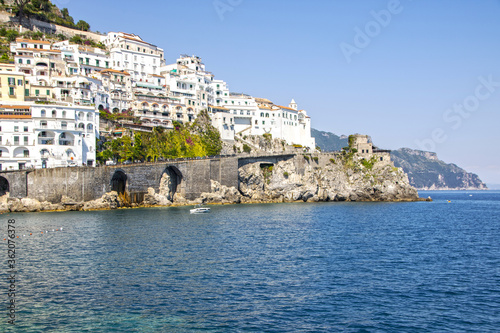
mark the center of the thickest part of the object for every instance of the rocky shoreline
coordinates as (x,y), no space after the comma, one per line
(332,179)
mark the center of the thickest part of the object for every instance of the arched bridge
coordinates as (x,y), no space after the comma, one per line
(187,177)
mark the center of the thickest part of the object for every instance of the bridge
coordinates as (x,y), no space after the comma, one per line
(188,177)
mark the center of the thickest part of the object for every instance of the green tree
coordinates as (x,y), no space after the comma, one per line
(76,40)
(66,16)
(11,35)
(20,5)
(82,25)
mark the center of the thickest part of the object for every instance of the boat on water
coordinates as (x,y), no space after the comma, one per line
(199,210)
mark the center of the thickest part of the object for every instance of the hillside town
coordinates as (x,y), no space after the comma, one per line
(55,93)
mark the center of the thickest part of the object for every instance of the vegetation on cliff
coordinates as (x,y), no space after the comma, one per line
(46,11)
(186,140)
(424,169)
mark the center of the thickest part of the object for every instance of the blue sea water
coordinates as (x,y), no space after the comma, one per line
(326,267)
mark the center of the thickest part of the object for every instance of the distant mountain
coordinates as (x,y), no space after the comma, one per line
(328,141)
(425,171)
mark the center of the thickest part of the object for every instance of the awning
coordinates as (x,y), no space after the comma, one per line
(146,85)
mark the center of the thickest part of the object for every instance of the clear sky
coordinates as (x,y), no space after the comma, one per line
(423,74)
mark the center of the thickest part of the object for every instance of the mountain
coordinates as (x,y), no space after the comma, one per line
(328,141)
(425,171)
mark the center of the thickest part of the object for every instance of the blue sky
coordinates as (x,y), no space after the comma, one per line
(411,73)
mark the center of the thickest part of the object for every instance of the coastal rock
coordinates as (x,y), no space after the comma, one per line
(324,181)
(155,199)
(110,200)
(221,194)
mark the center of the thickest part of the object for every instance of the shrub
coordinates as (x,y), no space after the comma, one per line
(267,136)
(285,174)
(306,157)
(332,160)
(246,148)
(315,158)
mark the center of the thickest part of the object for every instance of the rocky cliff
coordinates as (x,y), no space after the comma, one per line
(427,172)
(324,178)
(293,178)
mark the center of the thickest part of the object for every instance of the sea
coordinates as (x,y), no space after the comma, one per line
(291,267)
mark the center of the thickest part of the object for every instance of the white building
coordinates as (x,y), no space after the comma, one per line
(82,60)
(130,53)
(43,136)
(17,138)
(190,82)
(258,116)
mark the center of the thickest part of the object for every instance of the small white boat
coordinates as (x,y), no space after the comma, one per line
(199,210)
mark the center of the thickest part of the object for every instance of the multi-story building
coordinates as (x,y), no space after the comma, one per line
(65,135)
(82,60)
(17,139)
(118,85)
(189,81)
(13,85)
(130,53)
(42,136)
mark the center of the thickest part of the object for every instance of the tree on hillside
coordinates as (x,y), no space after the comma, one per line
(20,4)
(66,16)
(82,25)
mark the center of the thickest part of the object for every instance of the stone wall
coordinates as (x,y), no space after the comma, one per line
(86,183)
(46,27)
(17,186)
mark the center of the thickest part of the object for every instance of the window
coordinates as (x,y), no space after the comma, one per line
(16,128)
(28,62)
(97,63)
(37,92)
(11,91)
(48,92)
(64,114)
(25,128)
(0,143)
(107,64)
(19,82)
(54,113)
(87,61)
(26,92)
(26,152)
(64,125)
(16,140)
(25,141)
(43,113)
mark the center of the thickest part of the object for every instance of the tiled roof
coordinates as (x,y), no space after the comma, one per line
(286,108)
(32,41)
(25,107)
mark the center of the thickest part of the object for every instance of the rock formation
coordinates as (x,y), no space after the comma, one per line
(427,172)
(306,178)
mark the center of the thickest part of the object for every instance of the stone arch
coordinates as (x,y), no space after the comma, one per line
(119,182)
(4,186)
(170,182)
